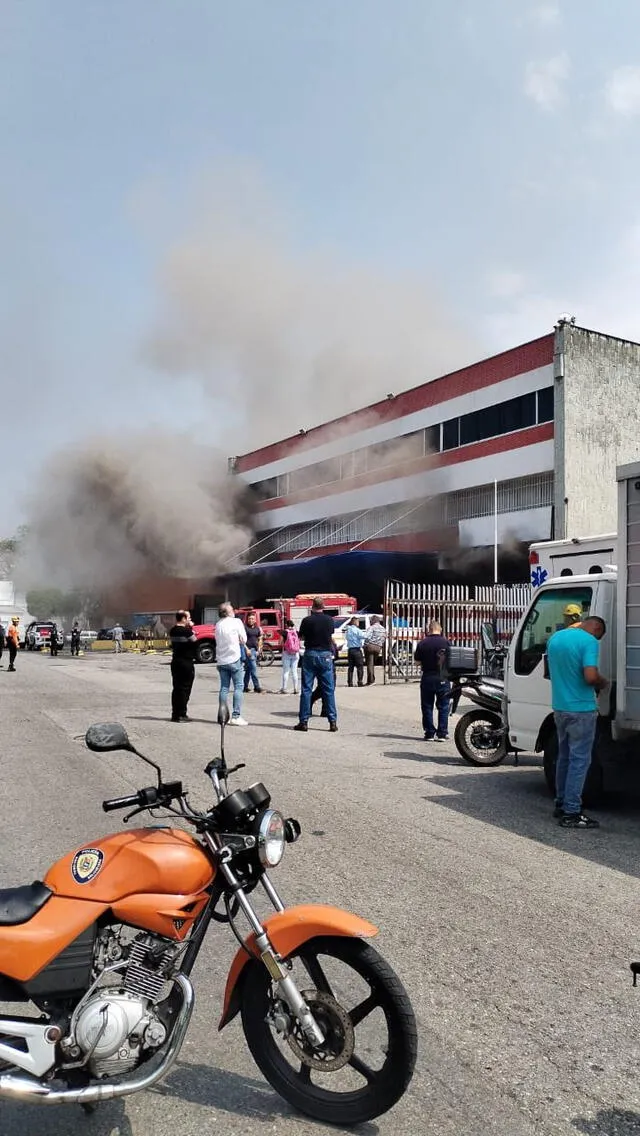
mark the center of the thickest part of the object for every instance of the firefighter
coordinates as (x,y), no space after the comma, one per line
(13,640)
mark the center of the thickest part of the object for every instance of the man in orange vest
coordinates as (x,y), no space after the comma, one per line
(13,641)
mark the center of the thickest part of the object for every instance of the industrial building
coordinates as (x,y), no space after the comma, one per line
(409,485)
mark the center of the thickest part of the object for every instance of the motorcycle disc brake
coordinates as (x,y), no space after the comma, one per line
(337,1027)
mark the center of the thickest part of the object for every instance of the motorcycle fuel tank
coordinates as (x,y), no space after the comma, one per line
(158,861)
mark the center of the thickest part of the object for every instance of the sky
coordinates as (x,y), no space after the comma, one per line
(482,152)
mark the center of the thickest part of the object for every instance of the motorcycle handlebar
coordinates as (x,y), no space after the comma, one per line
(141,798)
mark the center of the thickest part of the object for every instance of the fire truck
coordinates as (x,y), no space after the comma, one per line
(273,618)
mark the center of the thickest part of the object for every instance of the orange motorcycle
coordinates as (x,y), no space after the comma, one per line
(105,946)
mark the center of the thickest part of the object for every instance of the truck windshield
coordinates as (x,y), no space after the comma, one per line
(545,617)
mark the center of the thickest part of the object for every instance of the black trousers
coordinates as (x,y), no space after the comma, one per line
(183,674)
(2,642)
(13,651)
(355,662)
(54,648)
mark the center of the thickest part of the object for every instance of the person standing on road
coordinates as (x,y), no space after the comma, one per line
(575,682)
(231,639)
(290,656)
(3,635)
(374,642)
(316,632)
(183,666)
(13,640)
(54,641)
(433,653)
(252,650)
(354,638)
(118,635)
(75,640)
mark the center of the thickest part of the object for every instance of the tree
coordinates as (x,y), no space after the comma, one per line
(43,603)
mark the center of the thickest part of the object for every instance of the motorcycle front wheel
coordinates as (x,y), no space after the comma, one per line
(370,1047)
(475,740)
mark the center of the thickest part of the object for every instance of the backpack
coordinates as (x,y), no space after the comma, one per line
(292,642)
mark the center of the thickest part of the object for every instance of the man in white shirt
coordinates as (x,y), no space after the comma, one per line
(231,638)
(118,634)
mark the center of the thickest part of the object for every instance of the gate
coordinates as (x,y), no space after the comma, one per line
(460,609)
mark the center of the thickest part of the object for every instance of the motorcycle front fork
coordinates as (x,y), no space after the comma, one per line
(283,980)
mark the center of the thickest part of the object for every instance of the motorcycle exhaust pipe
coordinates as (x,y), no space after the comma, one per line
(28,1089)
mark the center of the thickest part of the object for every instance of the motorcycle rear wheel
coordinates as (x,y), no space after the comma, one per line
(492,755)
(352,1102)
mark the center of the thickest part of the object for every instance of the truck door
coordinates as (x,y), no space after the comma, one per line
(528,690)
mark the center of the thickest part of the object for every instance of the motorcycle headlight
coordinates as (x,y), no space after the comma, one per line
(271,839)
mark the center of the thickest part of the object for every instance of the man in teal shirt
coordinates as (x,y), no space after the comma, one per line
(573,655)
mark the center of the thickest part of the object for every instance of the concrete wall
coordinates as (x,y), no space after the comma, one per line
(597,426)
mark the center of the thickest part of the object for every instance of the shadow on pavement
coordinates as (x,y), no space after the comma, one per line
(427,757)
(109,1119)
(245,1096)
(516,799)
(609,1122)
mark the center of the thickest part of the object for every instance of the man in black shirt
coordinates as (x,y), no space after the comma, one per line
(316,632)
(183,643)
(433,654)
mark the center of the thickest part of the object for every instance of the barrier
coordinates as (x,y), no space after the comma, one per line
(460,609)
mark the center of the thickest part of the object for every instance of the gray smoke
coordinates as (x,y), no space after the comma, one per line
(281,338)
(149,503)
(284,338)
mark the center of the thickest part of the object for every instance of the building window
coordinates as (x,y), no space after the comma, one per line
(515,414)
(266,490)
(545,405)
(451,434)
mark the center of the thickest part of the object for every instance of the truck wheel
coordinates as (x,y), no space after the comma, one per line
(593,792)
(205,653)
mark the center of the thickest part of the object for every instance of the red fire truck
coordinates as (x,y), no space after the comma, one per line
(273,618)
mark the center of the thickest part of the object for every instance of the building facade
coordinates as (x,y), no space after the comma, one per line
(539,429)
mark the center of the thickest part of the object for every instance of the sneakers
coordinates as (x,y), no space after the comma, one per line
(333,727)
(438,738)
(239,721)
(302,727)
(578,820)
(429,737)
(558,811)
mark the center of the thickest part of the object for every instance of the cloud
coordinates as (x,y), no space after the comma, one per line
(622,91)
(544,80)
(546,15)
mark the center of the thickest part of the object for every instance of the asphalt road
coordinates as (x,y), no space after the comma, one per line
(512,936)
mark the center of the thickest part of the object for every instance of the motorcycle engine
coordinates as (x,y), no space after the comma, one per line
(115,1026)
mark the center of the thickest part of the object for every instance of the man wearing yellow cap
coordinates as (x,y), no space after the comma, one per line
(572,615)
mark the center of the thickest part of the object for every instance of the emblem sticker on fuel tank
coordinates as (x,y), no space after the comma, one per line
(86,865)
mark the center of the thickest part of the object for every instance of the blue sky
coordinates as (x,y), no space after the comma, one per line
(485,149)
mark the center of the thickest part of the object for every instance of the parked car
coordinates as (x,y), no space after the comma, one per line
(340,623)
(38,635)
(85,637)
(107,633)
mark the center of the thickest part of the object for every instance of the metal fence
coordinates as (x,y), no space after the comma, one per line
(460,609)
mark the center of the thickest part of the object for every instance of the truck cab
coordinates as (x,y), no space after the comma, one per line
(527,685)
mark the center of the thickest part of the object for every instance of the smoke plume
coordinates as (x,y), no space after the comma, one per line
(281,338)
(284,338)
(147,503)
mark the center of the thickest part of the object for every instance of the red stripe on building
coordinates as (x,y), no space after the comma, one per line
(517,361)
(518,440)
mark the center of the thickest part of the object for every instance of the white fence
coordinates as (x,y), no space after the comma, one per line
(460,609)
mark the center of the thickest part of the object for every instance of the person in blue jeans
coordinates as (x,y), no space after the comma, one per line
(316,632)
(433,653)
(573,656)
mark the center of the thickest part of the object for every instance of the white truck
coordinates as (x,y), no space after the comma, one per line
(587,555)
(613,594)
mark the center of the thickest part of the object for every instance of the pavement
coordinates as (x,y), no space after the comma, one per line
(512,936)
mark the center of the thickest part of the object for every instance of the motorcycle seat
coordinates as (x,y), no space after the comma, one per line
(19,905)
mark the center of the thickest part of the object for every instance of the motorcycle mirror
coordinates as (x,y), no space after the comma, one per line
(107,736)
(223,714)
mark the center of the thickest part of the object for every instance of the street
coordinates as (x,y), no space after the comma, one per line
(512,936)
